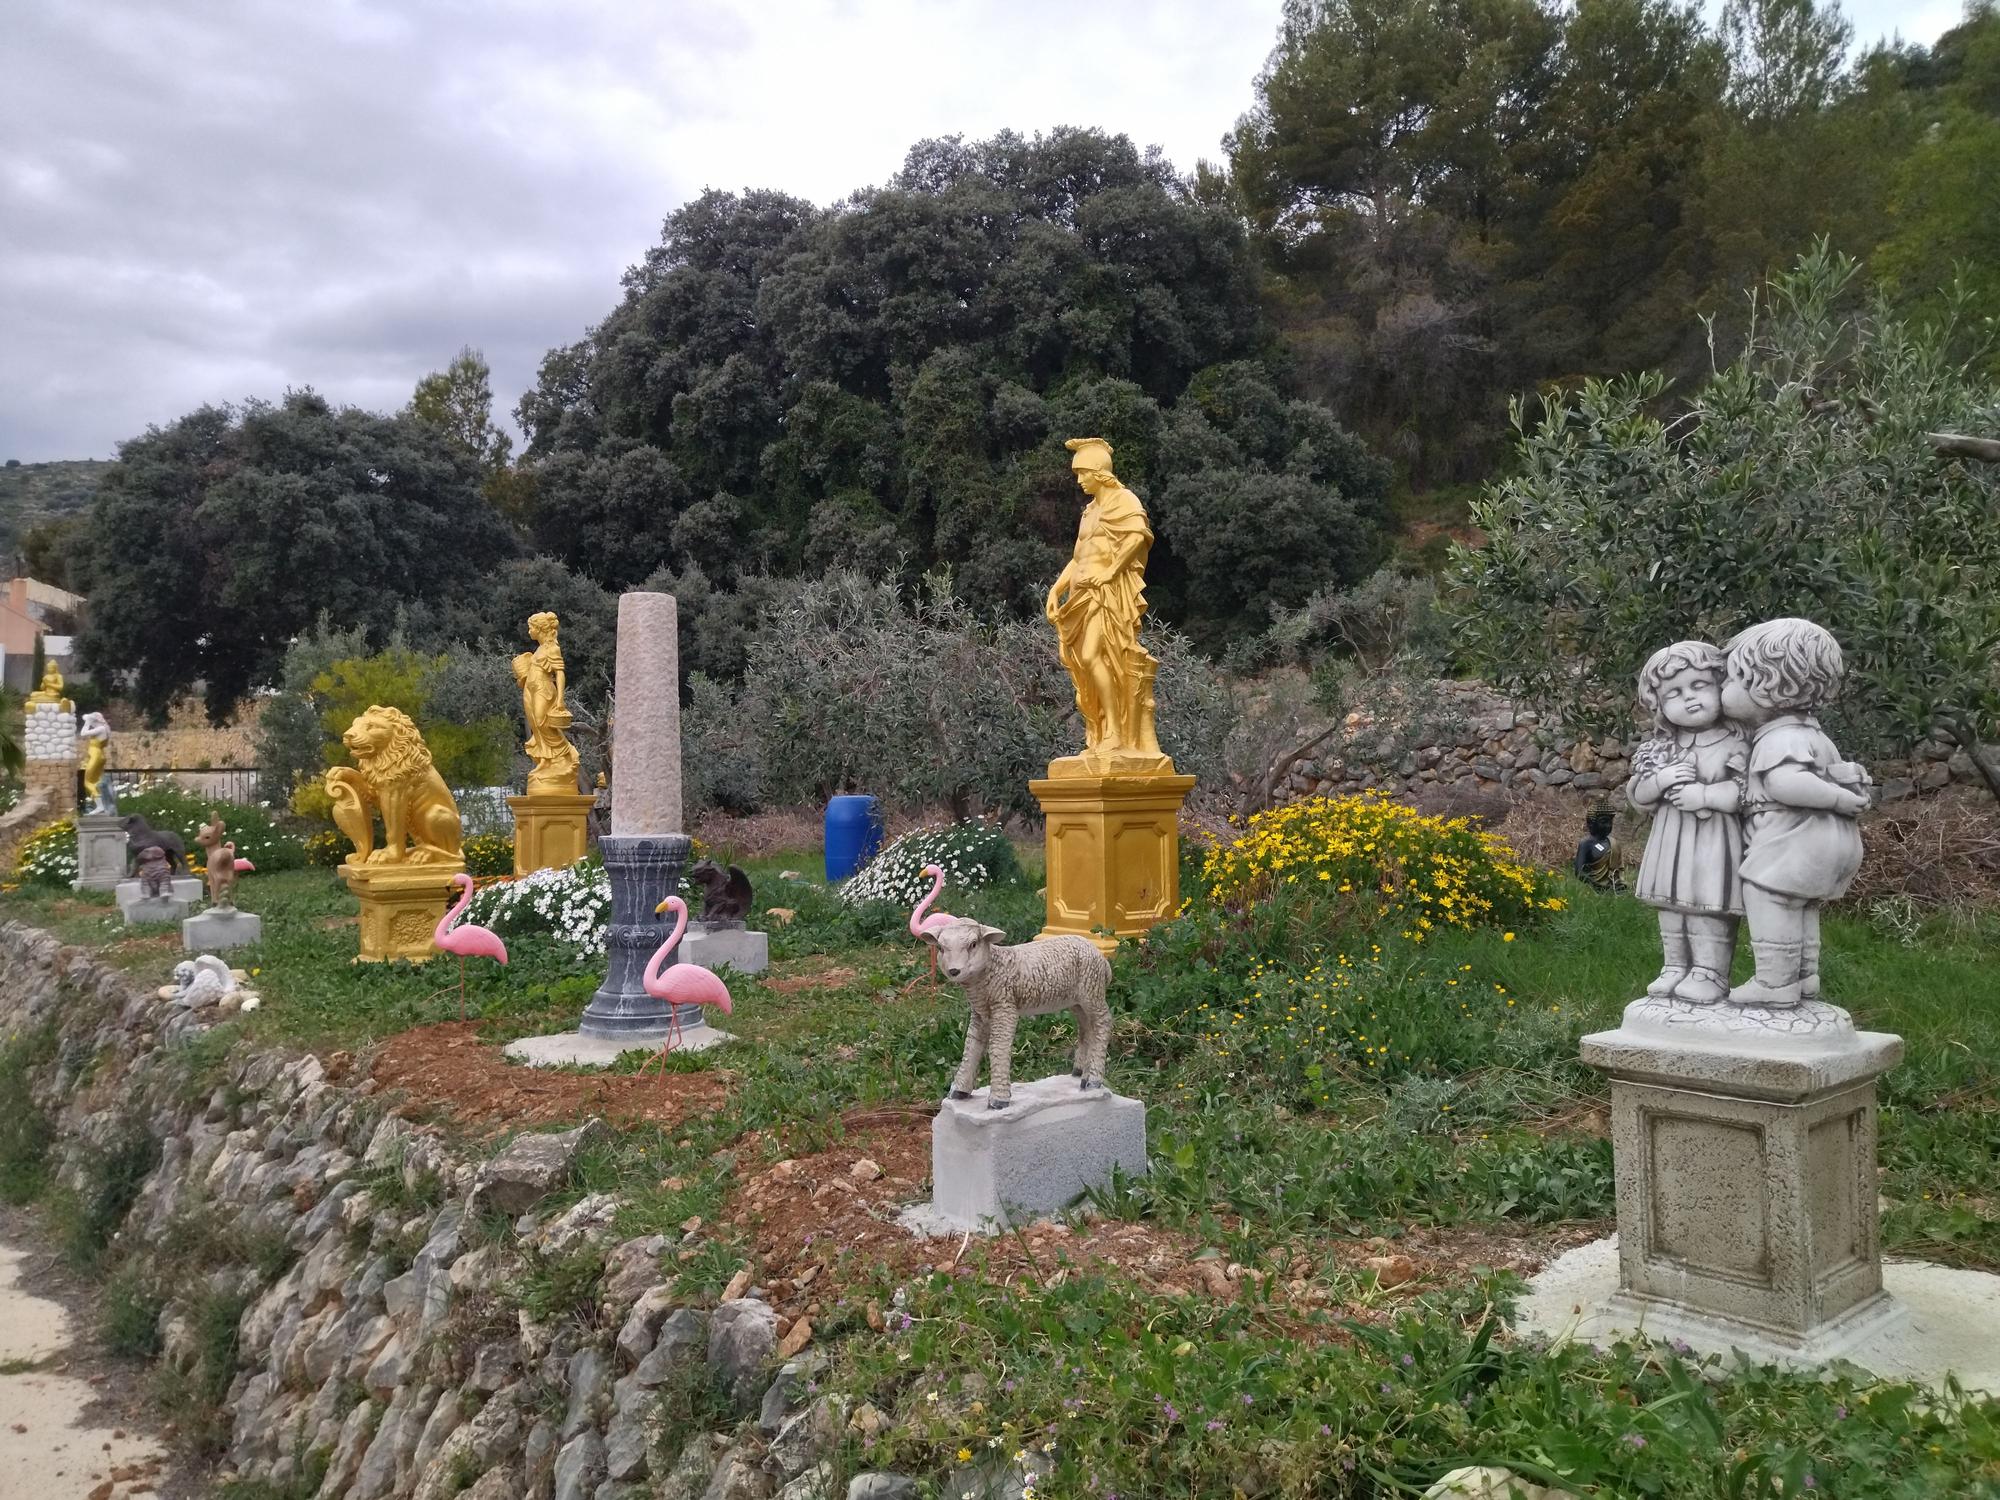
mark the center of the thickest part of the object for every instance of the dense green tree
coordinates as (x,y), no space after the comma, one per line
(217,539)
(884,386)
(458,402)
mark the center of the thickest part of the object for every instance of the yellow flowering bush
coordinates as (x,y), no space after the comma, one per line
(489,854)
(1381,861)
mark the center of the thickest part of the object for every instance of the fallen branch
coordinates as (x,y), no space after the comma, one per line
(1960,445)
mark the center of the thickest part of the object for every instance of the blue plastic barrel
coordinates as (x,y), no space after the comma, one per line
(853,834)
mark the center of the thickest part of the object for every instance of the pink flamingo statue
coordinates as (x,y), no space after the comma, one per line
(922,926)
(467,939)
(683,984)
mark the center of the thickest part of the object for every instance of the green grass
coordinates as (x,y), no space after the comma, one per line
(1444,1092)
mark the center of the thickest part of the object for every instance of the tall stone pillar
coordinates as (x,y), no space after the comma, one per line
(49,740)
(648,846)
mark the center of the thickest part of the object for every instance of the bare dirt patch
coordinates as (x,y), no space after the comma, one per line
(448,1070)
(811,974)
(818,1227)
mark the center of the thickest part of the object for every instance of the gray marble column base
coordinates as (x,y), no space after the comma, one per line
(644,869)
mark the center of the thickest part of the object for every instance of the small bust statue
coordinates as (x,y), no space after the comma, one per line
(156,871)
(1800,799)
(51,690)
(544,680)
(96,736)
(1095,605)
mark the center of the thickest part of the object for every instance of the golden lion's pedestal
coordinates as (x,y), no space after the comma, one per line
(400,907)
(1113,845)
(551,830)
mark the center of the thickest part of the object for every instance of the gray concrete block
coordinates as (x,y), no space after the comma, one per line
(148,909)
(100,851)
(213,930)
(1052,1143)
(184,888)
(726,947)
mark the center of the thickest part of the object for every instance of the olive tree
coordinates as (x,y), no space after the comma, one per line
(1821,472)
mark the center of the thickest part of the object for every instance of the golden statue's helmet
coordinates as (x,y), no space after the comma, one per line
(1091,453)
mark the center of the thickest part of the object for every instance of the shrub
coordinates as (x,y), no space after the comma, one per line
(48,855)
(1380,861)
(10,795)
(573,906)
(256,834)
(326,849)
(971,854)
(26,1133)
(489,854)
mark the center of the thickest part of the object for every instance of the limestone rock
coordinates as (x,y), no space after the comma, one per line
(629,1270)
(881,1486)
(496,1484)
(816,1483)
(589,1391)
(742,1337)
(580,1467)
(642,1324)
(532,1167)
(696,1463)
(586,1222)
(810,1437)
(1490,1482)
(787,1390)
(682,1337)
(737,1477)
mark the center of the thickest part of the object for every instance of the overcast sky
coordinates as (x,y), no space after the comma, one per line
(202,200)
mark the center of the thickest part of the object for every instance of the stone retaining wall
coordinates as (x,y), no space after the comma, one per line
(1503,749)
(377,1345)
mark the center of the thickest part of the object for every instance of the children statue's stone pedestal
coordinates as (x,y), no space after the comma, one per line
(551,830)
(400,907)
(735,948)
(221,927)
(1744,1141)
(184,888)
(101,852)
(144,911)
(1113,846)
(991,1168)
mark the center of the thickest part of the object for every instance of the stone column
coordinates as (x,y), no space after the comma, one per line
(49,740)
(647,847)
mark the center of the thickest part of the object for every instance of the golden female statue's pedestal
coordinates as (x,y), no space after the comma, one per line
(1112,812)
(551,830)
(1113,845)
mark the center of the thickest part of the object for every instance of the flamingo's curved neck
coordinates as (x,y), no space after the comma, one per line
(444,922)
(924,906)
(659,959)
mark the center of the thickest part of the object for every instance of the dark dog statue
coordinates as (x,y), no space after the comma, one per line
(725,897)
(139,838)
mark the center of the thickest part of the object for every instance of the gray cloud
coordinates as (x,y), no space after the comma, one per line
(216,199)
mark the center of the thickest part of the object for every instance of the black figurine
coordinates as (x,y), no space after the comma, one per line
(1598,856)
(725,897)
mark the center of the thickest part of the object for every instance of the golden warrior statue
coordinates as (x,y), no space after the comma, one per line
(1095,606)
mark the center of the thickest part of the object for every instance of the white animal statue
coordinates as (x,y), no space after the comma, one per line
(1003,983)
(207,980)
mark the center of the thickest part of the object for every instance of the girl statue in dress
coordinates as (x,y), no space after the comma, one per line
(541,675)
(1687,776)
(1800,800)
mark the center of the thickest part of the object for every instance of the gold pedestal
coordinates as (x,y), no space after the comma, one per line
(400,907)
(551,829)
(1113,851)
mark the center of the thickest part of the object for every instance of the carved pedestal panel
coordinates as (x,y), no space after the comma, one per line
(1744,1142)
(551,830)
(1113,847)
(400,907)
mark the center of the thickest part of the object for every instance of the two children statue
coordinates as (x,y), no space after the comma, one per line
(1753,810)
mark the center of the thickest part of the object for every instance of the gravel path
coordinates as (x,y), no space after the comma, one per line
(72,1424)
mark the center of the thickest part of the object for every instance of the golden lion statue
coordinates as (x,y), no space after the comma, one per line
(392,774)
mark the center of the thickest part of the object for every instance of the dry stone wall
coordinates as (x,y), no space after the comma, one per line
(382,1348)
(1502,749)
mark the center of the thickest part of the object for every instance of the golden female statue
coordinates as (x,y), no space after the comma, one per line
(543,682)
(1096,605)
(95,732)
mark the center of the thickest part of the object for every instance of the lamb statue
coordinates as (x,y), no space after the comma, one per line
(1002,983)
